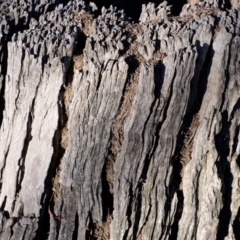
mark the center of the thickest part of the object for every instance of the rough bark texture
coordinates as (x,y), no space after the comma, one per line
(115,129)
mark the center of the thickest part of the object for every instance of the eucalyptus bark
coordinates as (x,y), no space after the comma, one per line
(115,129)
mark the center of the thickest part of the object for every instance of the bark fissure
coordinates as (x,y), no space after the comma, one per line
(236,225)
(3,67)
(129,211)
(227,76)
(2,83)
(222,141)
(75,231)
(224,171)
(158,80)
(4,164)
(25,231)
(186,135)
(28,138)
(117,138)
(60,141)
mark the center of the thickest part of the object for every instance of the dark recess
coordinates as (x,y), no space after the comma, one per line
(133,7)
(2,100)
(43,231)
(75,232)
(197,91)
(224,172)
(236,225)
(159,71)
(107,195)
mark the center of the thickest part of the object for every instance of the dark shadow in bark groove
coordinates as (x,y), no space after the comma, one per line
(159,72)
(75,232)
(58,152)
(27,140)
(222,142)
(236,225)
(44,225)
(197,91)
(107,194)
(2,101)
(3,204)
(149,155)
(235,141)
(4,164)
(129,212)
(58,149)
(90,229)
(224,173)
(5,39)
(238,161)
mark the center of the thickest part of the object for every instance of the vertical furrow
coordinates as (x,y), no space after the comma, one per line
(116,141)
(50,222)
(183,151)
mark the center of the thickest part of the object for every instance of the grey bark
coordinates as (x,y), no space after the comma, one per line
(111,129)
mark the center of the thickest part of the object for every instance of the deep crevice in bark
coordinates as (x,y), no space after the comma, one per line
(159,126)
(117,137)
(11,228)
(159,70)
(235,141)
(129,211)
(236,225)
(58,152)
(4,164)
(21,164)
(60,142)
(44,225)
(107,194)
(90,229)
(2,89)
(224,172)
(227,77)
(3,204)
(5,39)
(75,231)
(222,142)
(197,91)
(25,231)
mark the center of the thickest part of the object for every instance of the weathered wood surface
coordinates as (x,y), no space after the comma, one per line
(118,130)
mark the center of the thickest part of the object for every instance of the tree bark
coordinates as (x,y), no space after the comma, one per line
(115,129)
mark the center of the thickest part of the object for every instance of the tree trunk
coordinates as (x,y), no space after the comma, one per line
(115,129)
